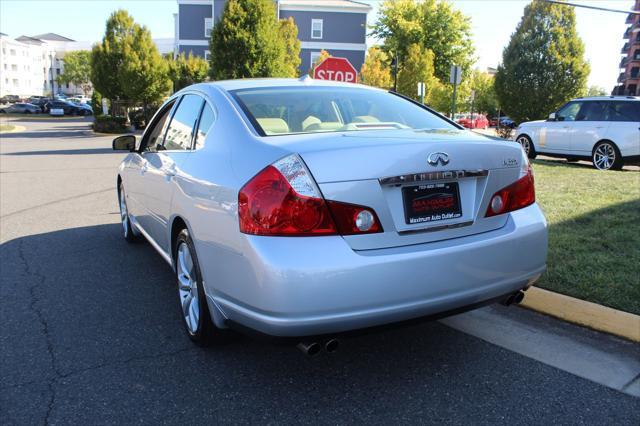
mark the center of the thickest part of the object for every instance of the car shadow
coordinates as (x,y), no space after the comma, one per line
(582,164)
(81,151)
(106,314)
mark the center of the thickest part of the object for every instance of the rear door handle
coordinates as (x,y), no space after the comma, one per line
(144,167)
(170,172)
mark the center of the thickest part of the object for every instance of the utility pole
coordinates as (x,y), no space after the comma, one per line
(394,64)
(473,97)
(455,77)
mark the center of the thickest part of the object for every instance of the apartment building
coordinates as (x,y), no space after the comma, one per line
(337,26)
(30,65)
(629,78)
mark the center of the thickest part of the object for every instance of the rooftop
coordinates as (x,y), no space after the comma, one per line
(312,4)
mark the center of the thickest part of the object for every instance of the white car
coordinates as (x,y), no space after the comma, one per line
(603,129)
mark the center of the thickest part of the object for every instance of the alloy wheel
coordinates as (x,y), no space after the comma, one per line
(124,215)
(604,156)
(525,144)
(188,288)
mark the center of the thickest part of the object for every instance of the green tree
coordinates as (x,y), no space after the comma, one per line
(376,69)
(440,95)
(77,70)
(246,42)
(289,35)
(143,74)
(543,66)
(596,91)
(417,67)
(186,70)
(107,57)
(323,55)
(486,101)
(434,24)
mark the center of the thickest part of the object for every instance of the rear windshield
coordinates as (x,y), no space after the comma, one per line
(290,110)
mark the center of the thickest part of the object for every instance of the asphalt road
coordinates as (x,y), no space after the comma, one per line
(90,330)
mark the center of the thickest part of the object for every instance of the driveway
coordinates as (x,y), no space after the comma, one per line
(90,331)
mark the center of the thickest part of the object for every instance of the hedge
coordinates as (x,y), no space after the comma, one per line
(109,124)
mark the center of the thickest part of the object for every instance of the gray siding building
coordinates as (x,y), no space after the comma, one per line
(337,26)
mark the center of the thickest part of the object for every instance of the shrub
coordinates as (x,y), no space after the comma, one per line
(109,124)
(504,132)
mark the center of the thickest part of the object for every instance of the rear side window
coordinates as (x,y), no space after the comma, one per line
(591,111)
(622,111)
(206,121)
(180,132)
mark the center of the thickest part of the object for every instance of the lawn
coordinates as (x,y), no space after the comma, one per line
(594,232)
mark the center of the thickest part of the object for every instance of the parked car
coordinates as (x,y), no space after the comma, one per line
(474,121)
(21,108)
(302,208)
(85,109)
(40,102)
(9,99)
(602,129)
(68,107)
(83,99)
(504,122)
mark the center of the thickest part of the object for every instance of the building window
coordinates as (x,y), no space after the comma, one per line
(14,67)
(57,71)
(15,82)
(316,28)
(208,25)
(207,54)
(12,52)
(314,57)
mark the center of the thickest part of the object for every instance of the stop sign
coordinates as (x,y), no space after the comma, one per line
(336,69)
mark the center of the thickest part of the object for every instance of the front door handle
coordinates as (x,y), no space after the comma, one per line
(143,168)
(170,172)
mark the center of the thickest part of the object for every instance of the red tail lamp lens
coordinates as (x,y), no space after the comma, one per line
(519,194)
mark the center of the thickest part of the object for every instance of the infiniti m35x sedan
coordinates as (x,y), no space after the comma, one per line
(302,208)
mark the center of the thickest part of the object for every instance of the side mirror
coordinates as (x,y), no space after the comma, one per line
(552,116)
(124,143)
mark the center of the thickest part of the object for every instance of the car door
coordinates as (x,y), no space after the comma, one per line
(555,136)
(589,127)
(623,117)
(163,164)
(136,168)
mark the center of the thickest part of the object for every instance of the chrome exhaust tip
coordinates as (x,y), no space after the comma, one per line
(332,345)
(309,348)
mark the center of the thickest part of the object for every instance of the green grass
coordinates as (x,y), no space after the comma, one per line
(594,233)
(6,127)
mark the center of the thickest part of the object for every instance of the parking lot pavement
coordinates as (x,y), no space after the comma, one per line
(90,331)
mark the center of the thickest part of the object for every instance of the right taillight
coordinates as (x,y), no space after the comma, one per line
(519,194)
(283,200)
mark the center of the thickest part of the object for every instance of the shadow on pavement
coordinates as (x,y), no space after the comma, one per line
(91,328)
(65,152)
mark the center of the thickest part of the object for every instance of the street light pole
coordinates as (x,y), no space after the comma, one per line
(395,72)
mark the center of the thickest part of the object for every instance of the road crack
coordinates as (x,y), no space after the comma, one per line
(38,280)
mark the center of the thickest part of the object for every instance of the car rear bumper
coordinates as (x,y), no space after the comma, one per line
(314,286)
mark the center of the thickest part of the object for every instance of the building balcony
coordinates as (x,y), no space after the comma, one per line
(625,48)
(630,18)
(624,62)
(627,34)
(622,77)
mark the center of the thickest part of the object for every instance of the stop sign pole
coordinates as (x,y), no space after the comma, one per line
(336,69)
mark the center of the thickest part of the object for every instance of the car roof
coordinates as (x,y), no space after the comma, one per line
(305,81)
(609,98)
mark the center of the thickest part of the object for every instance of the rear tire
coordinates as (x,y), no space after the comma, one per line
(606,156)
(194,309)
(527,145)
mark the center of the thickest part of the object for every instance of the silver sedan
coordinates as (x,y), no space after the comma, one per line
(307,208)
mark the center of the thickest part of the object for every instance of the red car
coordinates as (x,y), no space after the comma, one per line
(475,121)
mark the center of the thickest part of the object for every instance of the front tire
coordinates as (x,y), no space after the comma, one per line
(127,230)
(193,301)
(606,156)
(527,145)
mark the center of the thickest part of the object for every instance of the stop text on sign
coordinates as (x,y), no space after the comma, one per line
(336,69)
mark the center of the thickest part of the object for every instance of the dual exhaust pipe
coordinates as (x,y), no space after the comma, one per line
(514,298)
(313,348)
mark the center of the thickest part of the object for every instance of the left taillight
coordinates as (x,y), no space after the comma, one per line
(283,200)
(519,194)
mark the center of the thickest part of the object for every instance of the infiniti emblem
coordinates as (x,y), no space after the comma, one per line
(438,157)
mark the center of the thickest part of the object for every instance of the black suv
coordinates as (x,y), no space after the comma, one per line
(67,107)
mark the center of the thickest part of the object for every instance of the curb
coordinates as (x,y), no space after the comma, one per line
(15,129)
(588,314)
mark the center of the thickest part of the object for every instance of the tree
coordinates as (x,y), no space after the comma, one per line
(433,24)
(288,31)
(485,101)
(543,66)
(596,91)
(77,70)
(417,67)
(375,70)
(323,55)
(246,42)
(186,70)
(107,57)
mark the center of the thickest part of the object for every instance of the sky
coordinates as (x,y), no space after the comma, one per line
(493,22)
